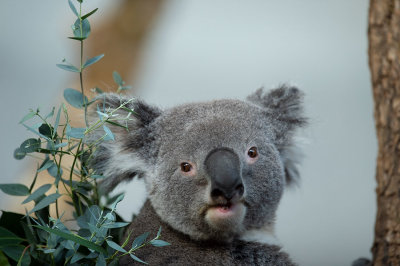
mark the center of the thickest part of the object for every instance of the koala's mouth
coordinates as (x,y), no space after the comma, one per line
(226,216)
(224,208)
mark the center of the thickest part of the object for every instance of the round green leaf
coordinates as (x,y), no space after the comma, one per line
(19,154)
(46,130)
(81,32)
(30,145)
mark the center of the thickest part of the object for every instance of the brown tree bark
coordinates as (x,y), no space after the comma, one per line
(384,62)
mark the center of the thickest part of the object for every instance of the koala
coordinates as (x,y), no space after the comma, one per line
(214,174)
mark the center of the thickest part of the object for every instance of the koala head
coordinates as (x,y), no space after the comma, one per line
(212,170)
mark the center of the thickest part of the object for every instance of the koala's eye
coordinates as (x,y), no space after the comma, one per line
(252,152)
(186,167)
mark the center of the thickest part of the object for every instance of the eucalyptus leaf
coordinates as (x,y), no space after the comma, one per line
(19,154)
(68,244)
(97,176)
(124,88)
(159,232)
(8,238)
(110,135)
(53,170)
(15,252)
(159,243)
(71,5)
(77,257)
(128,110)
(25,259)
(70,68)
(75,98)
(75,238)
(61,145)
(57,122)
(38,192)
(27,117)
(139,240)
(37,125)
(50,114)
(118,79)
(115,225)
(137,259)
(37,133)
(98,90)
(120,198)
(101,261)
(77,133)
(115,246)
(46,165)
(116,124)
(30,145)
(113,198)
(81,31)
(93,60)
(89,14)
(45,202)
(47,151)
(110,216)
(48,251)
(4,260)
(46,130)
(77,38)
(29,233)
(15,189)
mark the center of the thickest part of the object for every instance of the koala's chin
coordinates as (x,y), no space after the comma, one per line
(227,217)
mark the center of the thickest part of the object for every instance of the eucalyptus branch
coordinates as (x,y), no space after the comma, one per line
(48,238)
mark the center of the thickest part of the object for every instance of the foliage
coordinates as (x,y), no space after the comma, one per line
(37,237)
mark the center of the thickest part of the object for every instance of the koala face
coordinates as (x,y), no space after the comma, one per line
(212,170)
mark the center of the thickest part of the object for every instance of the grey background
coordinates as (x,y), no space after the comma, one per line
(203,50)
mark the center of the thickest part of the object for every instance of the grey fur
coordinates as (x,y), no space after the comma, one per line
(159,141)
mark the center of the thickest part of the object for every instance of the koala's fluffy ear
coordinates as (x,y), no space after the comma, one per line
(284,111)
(127,156)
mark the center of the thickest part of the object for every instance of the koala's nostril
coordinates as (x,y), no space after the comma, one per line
(240,190)
(215,193)
(227,194)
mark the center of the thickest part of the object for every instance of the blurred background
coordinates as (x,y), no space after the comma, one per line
(183,51)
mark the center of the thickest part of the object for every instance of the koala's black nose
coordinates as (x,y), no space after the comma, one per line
(223,167)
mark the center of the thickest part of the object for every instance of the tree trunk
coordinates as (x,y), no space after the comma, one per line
(384,62)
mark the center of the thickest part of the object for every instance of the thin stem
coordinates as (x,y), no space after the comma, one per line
(78,211)
(82,89)
(57,212)
(23,253)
